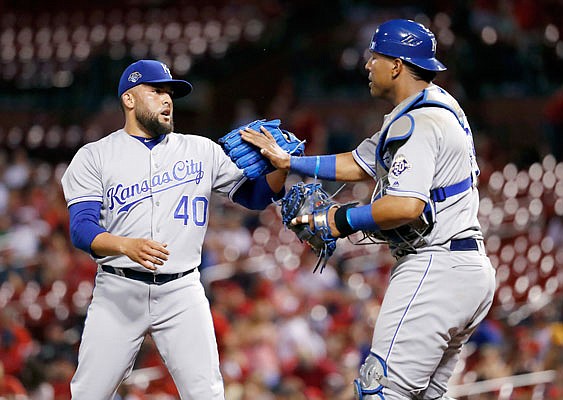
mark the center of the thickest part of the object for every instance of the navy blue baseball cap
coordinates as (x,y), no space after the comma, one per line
(151,71)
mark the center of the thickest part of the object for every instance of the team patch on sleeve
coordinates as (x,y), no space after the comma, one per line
(400,165)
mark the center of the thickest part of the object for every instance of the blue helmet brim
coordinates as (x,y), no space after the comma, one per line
(430,64)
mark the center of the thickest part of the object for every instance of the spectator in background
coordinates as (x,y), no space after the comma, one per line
(15,341)
(10,387)
(491,364)
(16,174)
(56,346)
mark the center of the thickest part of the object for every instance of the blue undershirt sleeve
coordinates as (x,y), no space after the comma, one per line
(256,194)
(84,224)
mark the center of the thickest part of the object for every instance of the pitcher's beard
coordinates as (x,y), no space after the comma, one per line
(150,122)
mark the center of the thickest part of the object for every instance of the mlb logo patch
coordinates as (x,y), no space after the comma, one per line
(134,77)
(400,165)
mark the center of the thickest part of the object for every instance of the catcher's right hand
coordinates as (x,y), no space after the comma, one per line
(248,157)
(269,146)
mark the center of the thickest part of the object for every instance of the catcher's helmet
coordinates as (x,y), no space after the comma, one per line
(409,41)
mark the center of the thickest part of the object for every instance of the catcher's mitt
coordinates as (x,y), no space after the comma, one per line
(247,156)
(310,199)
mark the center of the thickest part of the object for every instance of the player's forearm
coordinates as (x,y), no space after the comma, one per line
(393,211)
(146,252)
(334,167)
(388,212)
(347,169)
(276,180)
(107,244)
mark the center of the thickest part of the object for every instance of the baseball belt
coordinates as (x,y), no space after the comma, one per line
(466,244)
(147,277)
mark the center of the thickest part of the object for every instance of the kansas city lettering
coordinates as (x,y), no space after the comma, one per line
(181,172)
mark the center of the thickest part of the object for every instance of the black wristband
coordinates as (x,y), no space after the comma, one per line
(341,221)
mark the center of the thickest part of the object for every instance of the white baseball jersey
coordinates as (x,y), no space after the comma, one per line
(439,154)
(160,194)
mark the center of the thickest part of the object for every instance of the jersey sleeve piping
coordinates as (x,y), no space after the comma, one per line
(84,198)
(236,187)
(363,164)
(407,193)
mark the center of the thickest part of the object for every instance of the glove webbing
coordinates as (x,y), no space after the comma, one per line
(294,201)
(297,146)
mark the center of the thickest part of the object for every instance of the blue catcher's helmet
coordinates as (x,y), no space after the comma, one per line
(409,41)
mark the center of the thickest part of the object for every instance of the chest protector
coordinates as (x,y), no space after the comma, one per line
(405,239)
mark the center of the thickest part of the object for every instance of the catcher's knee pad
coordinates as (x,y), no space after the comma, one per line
(372,380)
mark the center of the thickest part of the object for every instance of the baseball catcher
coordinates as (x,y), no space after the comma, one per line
(248,157)
(423,162)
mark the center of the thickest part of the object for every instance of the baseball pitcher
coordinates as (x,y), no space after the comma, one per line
(139,204)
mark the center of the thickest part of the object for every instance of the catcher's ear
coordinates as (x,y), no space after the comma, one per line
(397,67)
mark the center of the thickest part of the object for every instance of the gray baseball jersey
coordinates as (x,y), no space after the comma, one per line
(161,194)
(433,157)
(439,292)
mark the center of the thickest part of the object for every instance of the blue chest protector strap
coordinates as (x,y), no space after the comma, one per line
(422,101)
(442,193)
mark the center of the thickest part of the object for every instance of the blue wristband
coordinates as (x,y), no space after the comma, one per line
(360,219)
(323,167)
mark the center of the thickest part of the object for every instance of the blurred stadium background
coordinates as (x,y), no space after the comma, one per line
(282,333)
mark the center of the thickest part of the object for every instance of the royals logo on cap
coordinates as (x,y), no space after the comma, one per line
(166,69)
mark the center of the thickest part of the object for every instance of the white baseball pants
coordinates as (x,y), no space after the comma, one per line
(432,305)
(178,317)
